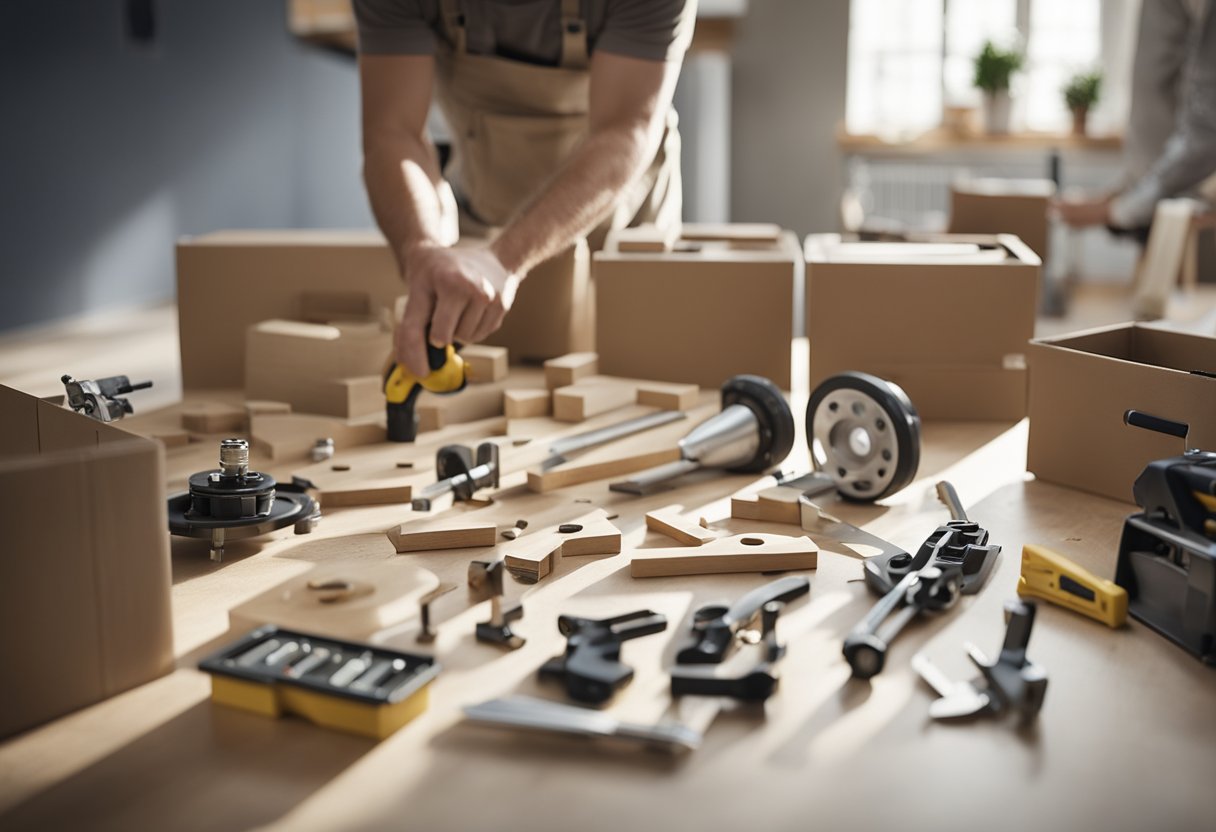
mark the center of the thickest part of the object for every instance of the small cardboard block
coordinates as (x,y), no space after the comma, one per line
(772,505)
(570,369)
(527,404)
(739,553)
(485,364)
(213,417)
(668,396)
(591,397)
(669,521)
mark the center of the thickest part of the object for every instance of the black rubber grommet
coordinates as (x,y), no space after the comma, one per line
(762,397)
(901,414)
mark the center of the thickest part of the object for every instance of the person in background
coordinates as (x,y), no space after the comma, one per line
(1170,142)
(561,127)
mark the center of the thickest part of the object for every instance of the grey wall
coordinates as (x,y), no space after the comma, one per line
(788,96)
(112,149)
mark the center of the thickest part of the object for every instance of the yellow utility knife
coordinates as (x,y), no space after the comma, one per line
(1053,577)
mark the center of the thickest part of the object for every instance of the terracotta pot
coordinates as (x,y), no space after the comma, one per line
(1080,115)
(997,106)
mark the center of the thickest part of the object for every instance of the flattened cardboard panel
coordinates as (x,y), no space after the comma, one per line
(18,423)
(61,429)
(48,593)
(553,313)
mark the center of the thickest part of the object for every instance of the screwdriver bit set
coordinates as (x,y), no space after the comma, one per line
(352,687)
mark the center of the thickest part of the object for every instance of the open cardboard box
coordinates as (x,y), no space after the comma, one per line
(947,317)
(1004,206)
(1081,385)
(85,573)
(716,301)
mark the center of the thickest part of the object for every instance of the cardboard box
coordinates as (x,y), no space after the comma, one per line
(317,368)
(1081,384)
(85,574)
(229,280)
(1004,206)
(554,310)
(704,311)
(947,318)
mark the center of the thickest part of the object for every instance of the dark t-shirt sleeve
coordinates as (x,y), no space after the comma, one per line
(652,30)
(394,27)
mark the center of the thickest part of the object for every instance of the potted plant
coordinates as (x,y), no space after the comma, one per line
(1081,94)
(993,68)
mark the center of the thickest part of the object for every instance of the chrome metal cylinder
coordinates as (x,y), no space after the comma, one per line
(731,438)
(234,457)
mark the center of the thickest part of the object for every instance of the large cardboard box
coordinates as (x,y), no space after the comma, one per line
(714,303)
(1004,206)
(84,573)
(230,280)
(946,317)
(554,310)
(1081,385)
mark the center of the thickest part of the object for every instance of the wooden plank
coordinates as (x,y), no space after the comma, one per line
(485,364)
(536,553)
(527,404)
(670,521)
(475,402)
(668,395)
(213,417)
(455,533)
(778,504)
(579,402)
(570,369)
(352,600)
(738,553)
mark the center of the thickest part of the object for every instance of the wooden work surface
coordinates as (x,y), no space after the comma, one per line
(1126,739)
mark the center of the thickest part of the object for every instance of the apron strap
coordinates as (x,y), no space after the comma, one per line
(574,36)
(453,21)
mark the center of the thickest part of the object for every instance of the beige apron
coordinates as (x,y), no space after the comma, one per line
(513,124)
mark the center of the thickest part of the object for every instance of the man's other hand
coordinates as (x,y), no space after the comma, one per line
(462,294)
(1083,213)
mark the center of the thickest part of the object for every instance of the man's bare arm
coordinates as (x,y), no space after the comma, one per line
(399,164)
(628,106)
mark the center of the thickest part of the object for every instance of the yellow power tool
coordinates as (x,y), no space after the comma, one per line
(1053,577)
(401,389)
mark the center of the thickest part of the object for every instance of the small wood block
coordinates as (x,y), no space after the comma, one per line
(570,369)
(668,521)
(258,406)
(485,364)
(535,553)
(352,398)
(579,402)
(772,505)
(527,404)
(647,238)
(284,436)
(472,404)
(454,533)
(667,396)
(738,553)
(171,438)
(213,417)
(381,595)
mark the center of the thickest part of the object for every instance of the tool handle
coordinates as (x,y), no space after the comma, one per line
(1140,419)
(948,496)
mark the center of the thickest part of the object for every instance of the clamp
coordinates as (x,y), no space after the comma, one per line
(591,668)
(101,399)
(1011,684)
(460,474)
(486,584)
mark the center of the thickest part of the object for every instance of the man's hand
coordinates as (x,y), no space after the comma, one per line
(460,294)
(1082,213)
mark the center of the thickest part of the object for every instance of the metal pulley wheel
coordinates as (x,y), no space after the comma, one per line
(864,433)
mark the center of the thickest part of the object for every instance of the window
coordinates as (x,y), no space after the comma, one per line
(910,58)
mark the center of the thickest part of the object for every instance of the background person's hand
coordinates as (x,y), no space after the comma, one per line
(1083,213)
(463,294)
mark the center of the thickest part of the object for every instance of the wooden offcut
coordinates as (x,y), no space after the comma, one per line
(591,397)
(485,364)
(213,417)
(670,522)
(526,404)
(570,369)
(778,504)
(739,553)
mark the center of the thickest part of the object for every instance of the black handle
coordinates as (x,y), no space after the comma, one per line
(1140,419)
